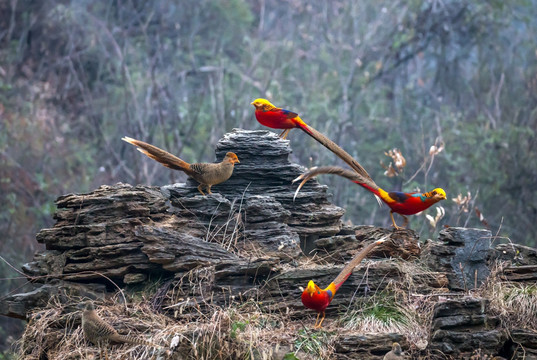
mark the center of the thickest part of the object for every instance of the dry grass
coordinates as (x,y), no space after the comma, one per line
(56,332)
(514,303)
(241,331)
(317,344)
(396,309)
(244,328)
(230,232)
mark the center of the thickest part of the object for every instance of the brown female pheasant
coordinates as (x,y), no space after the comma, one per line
(207,174)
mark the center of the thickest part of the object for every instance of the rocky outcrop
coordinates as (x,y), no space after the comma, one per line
(522,344)
(461,326)
(250,247)
(519,262)
(128,232)
(366,346)
(462,254)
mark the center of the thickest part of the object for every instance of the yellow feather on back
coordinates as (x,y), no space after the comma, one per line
(384,196)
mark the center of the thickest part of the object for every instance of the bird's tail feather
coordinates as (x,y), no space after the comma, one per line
(133,340)
(155,153)
(335,148)
(351,175)
(347,270)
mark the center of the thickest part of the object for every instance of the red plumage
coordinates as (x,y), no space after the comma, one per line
(399,202)
(318,301)
(277,118)
(403,203)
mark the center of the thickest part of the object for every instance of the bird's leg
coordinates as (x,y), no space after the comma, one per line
(405,223)
(393,221)
(316,320)
(209,189)
(102,349)
(284,133)
(200,186)
(320,324)
(287,133)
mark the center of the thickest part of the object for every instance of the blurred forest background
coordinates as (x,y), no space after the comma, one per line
(76,76)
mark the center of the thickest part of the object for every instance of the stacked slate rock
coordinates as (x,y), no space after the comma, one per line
(251,240)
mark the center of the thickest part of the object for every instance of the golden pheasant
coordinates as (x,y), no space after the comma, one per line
(278,118)
(206,174)
(399,202)
(99,332)
(395,353)
(313,297)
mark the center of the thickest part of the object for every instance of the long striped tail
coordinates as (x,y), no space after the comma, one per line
(157,154)
(335,148)
(132,340)
(347,270)
(353,176)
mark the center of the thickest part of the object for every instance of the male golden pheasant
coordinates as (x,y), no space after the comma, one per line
(278,118)
(317,299)
(399,202)
(207,174)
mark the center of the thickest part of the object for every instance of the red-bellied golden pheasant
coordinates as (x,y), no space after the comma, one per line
(207,174)
(277,118)
(317,299)
(399,202)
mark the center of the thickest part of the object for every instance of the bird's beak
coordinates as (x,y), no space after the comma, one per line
(252,103)
(237,161)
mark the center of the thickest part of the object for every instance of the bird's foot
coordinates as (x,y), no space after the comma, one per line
(284,134)
(319,324)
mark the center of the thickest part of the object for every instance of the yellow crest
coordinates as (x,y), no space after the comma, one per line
(262,104)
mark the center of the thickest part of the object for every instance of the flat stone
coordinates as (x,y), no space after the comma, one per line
(461,253)
(366,346)
(134,278)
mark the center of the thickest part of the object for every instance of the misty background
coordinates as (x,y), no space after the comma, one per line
(76,76)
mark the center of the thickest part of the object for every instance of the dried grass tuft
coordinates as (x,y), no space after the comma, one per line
(239,331)
(399,308)
(514,303)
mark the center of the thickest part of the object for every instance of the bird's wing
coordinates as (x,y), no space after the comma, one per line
(97,327)
(287,113)
(198,168)
(398,196)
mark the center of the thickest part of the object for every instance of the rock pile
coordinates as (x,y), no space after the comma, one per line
(249,241)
